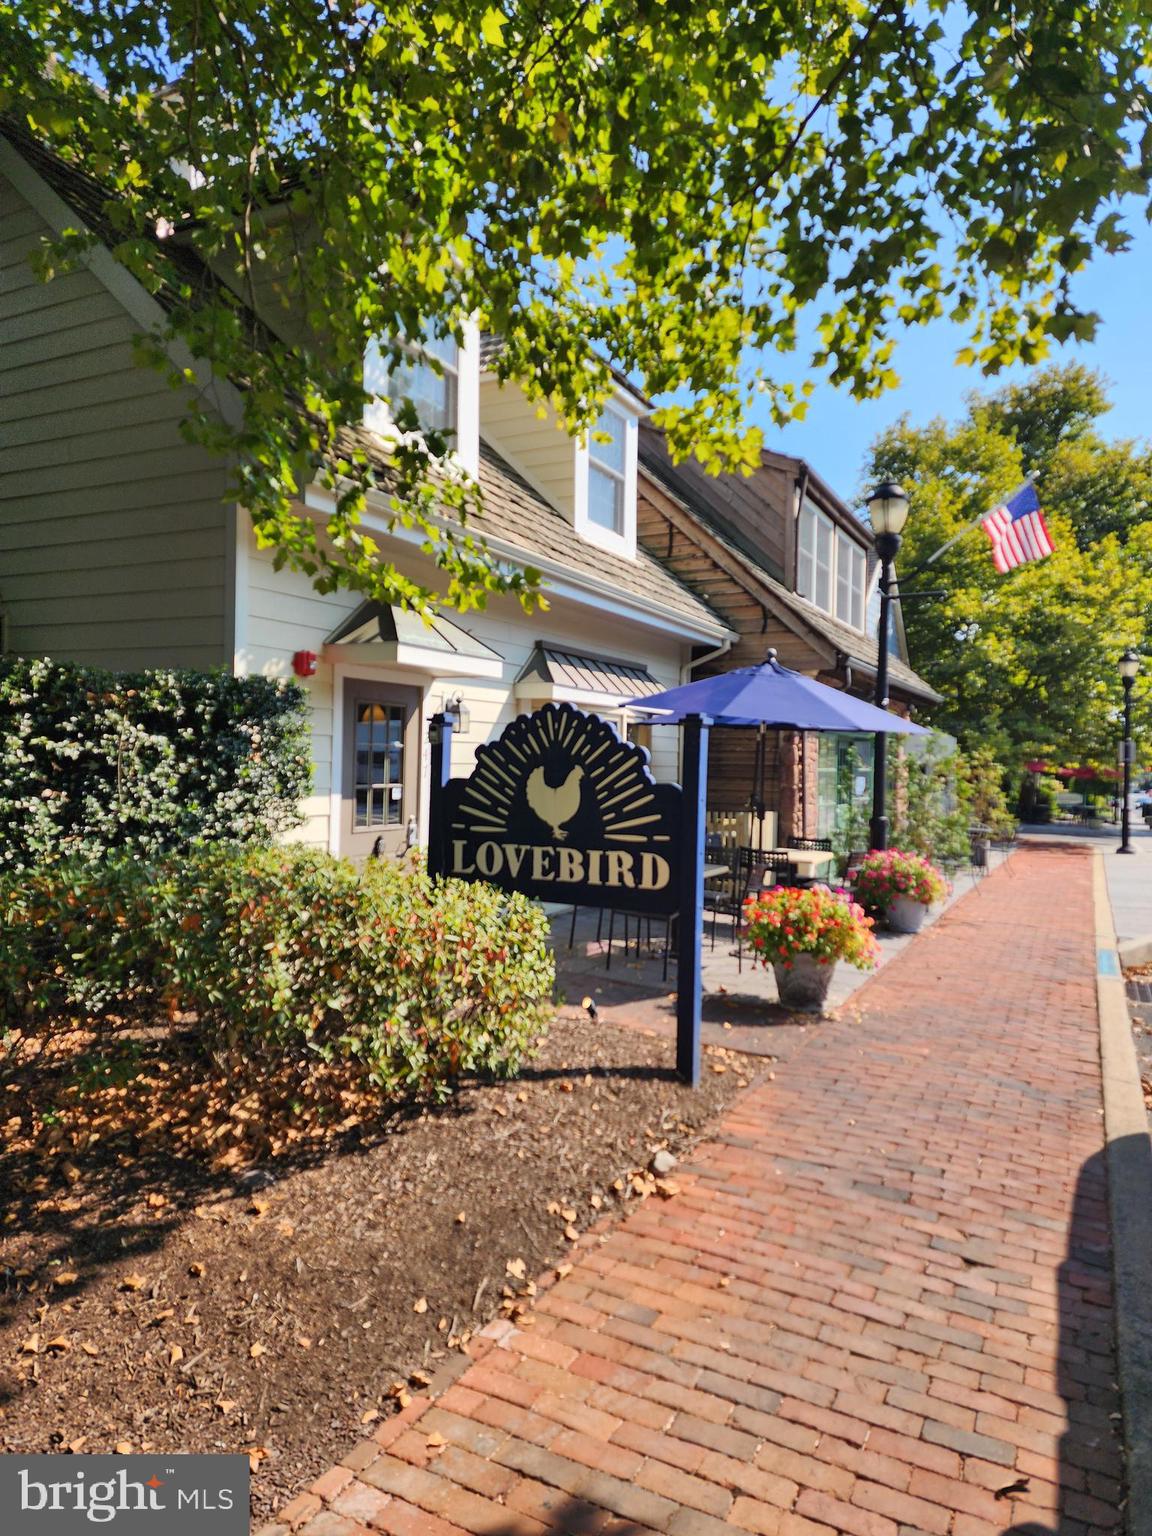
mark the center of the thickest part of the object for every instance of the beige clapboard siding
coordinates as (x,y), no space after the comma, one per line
(114,534)
(540,449)
(286,614)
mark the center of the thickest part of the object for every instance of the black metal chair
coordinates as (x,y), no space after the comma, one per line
(811,844)
(640,919)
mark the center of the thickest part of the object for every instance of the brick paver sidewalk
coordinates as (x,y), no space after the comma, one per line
(879,1305)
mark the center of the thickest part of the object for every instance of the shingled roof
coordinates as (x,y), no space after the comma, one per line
(858,649)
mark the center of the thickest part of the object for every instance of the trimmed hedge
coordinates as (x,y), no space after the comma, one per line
(286,955)
(154,762)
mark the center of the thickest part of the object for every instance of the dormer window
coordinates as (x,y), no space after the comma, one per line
(604,489)
(831,567)
(432,391)
(441,379)
(607,472)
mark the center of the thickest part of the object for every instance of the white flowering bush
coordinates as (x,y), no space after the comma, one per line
(156,762)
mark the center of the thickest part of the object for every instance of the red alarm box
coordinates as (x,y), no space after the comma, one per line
(304,663)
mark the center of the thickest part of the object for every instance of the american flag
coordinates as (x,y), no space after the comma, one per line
(1018,530)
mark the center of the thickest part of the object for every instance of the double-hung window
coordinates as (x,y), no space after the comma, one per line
(606,472)
(831,567)
(432,391)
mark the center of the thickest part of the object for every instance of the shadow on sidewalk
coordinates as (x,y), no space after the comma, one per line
(1090,1462)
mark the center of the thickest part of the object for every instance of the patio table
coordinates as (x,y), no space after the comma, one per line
(808,862)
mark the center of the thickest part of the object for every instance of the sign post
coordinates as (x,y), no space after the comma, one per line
(690,938)
(440,740)
(560,809)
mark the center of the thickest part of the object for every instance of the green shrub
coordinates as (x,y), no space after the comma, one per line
(152,762)
(287,955)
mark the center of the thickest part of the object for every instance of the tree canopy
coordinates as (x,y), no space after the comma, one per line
(667,187)
(1027,661)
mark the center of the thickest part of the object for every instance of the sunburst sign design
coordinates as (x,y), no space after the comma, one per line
(563,809)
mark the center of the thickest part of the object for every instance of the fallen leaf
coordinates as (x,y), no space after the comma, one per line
(725,1281)
(285,1229)
(461,1218)
(157,1202)
(420,1305)
(369,1415)
(65,1277)
(256,1454)
(133,1283)
(77,1445)
(435,1441)
(31,1345)
(257,1350)
(515,1268)
(163,1316)
(89,1349)
(562,1270)
(304,1343)
(196,1268)
(571,1233)
(59,1343)
(123,1447)
(257,1207)
(420,1379)
(175,1354)
(500,1109)
(567,1213)
(225,1404)
(70,1171)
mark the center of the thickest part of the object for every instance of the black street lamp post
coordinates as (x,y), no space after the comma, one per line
(1129,667)
(888,509)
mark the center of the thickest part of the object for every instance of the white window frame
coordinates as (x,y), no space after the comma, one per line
(610,423)
(621,541)
(823,548)
(463,378)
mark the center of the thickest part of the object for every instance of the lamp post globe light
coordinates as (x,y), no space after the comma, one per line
(1129,667)
(888,512)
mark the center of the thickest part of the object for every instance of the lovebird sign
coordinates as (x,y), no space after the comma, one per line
(560,808)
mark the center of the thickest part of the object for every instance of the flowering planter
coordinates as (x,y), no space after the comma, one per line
(905,915)
(804,984)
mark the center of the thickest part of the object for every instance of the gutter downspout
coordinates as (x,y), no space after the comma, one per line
(721,650)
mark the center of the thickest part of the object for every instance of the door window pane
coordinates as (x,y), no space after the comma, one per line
(378,792)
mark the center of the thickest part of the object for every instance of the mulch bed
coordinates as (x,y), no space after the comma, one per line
(153,1299)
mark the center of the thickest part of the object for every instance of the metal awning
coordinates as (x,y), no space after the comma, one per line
(569,677)
(387,634)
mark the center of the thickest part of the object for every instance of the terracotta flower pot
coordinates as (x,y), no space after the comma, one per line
(905,915)
(804,984)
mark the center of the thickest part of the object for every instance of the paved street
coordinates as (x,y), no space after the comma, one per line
(879,1303)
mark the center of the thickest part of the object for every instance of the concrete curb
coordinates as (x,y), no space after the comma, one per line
(1128,1150)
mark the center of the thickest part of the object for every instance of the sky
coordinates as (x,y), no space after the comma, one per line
(835,435)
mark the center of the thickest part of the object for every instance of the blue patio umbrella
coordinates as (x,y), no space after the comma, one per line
(771,695)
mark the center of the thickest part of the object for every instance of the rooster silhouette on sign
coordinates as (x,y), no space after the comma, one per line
(554,806)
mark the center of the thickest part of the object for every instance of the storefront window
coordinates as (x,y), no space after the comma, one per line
(845,788)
